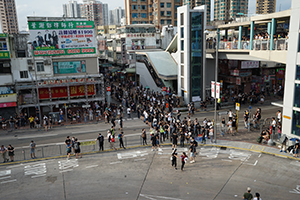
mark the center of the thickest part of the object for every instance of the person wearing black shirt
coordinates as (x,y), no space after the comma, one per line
(154,143)
(100,138)
(174,140)
(174,158)
(182,138)
(68,140)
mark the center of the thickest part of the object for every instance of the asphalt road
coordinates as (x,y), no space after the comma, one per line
(142,174)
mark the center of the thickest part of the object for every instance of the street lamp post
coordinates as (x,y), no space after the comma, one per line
(216,80)
(36,84)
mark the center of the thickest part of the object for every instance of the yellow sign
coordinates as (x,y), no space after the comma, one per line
(87,143)
(237,106)
(5,98)
(287,117)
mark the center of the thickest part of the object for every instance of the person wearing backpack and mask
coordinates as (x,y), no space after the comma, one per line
(77,148)
(100,139)
(247,195)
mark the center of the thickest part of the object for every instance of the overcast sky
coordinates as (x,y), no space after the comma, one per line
(53,8)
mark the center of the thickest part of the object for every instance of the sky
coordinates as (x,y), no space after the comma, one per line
(53,8)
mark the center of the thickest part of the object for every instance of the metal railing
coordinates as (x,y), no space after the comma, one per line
(279,45)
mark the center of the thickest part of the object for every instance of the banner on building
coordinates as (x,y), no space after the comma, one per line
(62,92)
(4,98)
(212,89)
(6,90)
(6,105)
(55,38)
(218,88)
(250,64)
(69,67)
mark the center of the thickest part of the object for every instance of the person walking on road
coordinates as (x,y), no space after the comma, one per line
(257,196)
(184,159)
(111,140)
(3,150)
(11,152)
(174,140)
(100,139)
(144,136)
(193,150)
(174,158)
(247,195)
(77,148)
(121,123)
(120,136)
(32,149)
(68,144)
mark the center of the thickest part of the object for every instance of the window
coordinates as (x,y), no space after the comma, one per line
(176,7)
(162,5)
(162,21)
(135,15)
(182,61)
(134,7)
(134,0)
(181,19)
(23,74)
(150,14)
(162,13)
(169,13)
(40,66)
(143,7)
(143,15)
(182,32)
(21,53)
(297,96)
(150,6)
(169,21)
(182,45)
(296,123)
(168,5)
(143,0)
(298,72)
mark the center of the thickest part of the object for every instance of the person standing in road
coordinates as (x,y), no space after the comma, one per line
(3,150)
(111,140)
(184,159)
(247,195)
(257,196)
(121,123)
(297,145)
(11,152)
(68,144)
(154,143)
(45,122)
(100,139)
(193,150)
(144,136)
(72,144)
(174,158)
(32,149)
(174,140)
(128,112)
(120,136)
(77,148)
(273,125)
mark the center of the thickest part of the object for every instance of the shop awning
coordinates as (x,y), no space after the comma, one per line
(130,70)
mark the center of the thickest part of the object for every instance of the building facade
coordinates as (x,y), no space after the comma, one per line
(72,9)
(265,6)
(291,101)
(8,13)
(226,10)
(195,3)
(94,11)
(191,48)
(116,15)
(159,12)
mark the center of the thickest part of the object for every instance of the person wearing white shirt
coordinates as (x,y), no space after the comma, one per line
(273,125)
(257,196)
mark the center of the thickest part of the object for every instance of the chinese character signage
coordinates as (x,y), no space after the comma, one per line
(55,38)
(4,98)
(62,92)
(250,64)
(69,67)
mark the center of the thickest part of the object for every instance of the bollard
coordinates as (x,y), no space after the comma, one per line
(59,149)
(42,152)
(94,147)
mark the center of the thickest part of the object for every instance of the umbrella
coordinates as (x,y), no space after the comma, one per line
(294,139)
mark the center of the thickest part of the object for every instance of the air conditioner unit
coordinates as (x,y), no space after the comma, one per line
(29,62)
(30,68)
(6,64)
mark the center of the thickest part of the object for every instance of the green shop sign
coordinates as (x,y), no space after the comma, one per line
(3,35)
(38,25)
(4,54)
(61,52)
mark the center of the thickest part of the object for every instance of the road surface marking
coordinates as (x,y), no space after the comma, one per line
(132,154)
(36,136)
(8,181)
(14,166)
(139,159)
(36,169)
(5,177)
(297,190)
(38,176)
(257,148)
(147,196)
(5,172)
(118,162)
(68,170)
(68,165)
(226,160)
(91,166)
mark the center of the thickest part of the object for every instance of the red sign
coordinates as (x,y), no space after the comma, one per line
(238,81)
(164,88)
(108,89)
(10,104)
(62,92)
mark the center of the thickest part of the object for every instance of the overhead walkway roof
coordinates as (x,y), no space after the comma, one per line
(163,64)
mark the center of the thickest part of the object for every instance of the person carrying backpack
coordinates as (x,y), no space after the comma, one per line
(100,138)
(247,195)
(77,148)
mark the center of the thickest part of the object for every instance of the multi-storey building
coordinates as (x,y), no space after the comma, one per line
(72,9)
(116,15)
(8,13)
(194,3)
(158,12)
(230,9)
(95,11)
(265,6)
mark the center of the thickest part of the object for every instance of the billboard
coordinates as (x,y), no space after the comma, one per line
(56,38)
(69,67)
(62,92)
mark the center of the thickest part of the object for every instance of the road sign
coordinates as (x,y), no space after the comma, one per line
(108,89)
(250,107)
(237,106)
(108,93)
(164,89)
(86,106)
(212,89)
(218,87)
